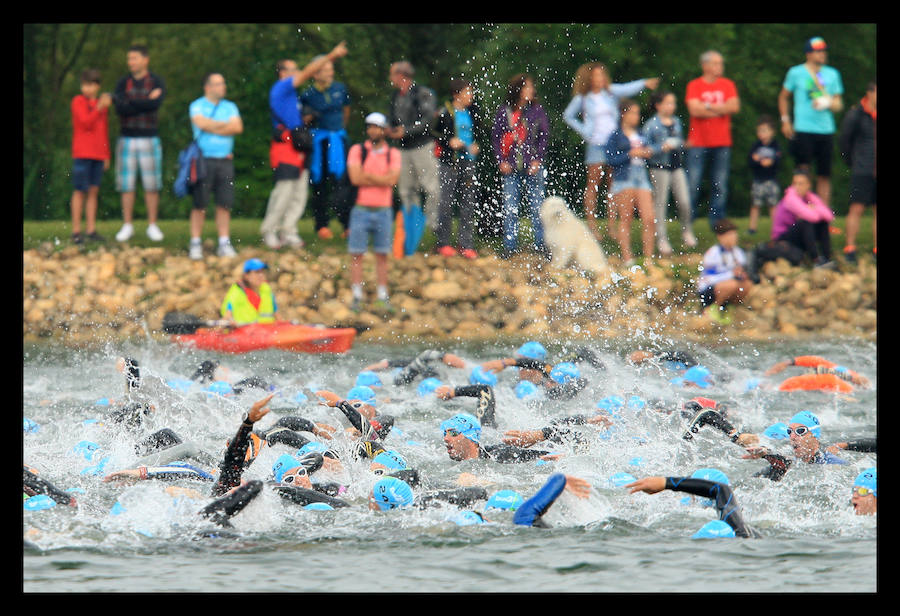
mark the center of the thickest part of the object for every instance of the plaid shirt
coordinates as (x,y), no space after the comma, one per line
(137,111)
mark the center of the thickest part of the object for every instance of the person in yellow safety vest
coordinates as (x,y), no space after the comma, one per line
(250,300)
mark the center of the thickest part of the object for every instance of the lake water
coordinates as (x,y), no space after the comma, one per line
(611,542)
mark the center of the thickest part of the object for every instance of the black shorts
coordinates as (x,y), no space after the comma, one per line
(863,189)
(810,148)
(218,183)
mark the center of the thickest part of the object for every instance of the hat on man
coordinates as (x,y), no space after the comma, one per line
(376,119)
(816,43)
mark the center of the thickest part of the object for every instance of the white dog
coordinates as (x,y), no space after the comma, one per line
(569,239)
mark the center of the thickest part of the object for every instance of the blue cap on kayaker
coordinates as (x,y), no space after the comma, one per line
(253,265)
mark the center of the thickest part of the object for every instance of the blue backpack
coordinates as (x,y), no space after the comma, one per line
(191,169)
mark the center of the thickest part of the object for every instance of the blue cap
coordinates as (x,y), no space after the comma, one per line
(117,509)
(102,402)
(611,403)
(311,447)
(39,502)
(467,425)
(368,378)
(390,459)
(508,500)
(283,464)
(479,376)
(300,398)
(621,479)
(363,394)
(714,529)
(698,375)
(29,425)
(868,479)
(711,474)
(391,493)
(776,431)
(809,420)
(467,518)
(253,265)
(87,449)
(180,384)
(97,469)
(526,390)
(319,507)
(533,350)
(565,371)
(220,388)
(428,386)
(636,402)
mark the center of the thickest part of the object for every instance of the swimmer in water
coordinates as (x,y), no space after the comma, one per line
(421,366)
(865,492)
(462,437)
(486,407)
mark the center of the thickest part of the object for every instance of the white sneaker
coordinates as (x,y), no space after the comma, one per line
(195,251)
(665,248)
(125,232)
(226,250)
(154,233)
(689,240)
(271,240)
(294,241)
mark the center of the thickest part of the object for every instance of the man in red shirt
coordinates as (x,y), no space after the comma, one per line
(90,152)
(711,101)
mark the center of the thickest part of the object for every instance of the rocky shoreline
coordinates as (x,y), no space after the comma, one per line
(84,298)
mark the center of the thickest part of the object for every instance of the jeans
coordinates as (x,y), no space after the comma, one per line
(719,165)
(513,185)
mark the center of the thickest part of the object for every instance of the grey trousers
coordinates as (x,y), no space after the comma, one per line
(457,186)
(286,204)
(419,173)
(663,181)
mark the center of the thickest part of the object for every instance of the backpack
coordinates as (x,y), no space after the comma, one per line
(191,167)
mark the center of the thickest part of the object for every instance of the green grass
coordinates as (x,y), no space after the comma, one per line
(245,233)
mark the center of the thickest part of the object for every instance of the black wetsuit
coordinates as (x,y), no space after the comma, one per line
(865,445)
(485,411)
(33,484)
(554,390)
(725,501)
(419,366)
(509,453)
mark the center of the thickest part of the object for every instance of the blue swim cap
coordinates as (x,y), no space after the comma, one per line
(711,474)
(428,386)
(467,425)
(311,447)
(751,384)
(479,376)
(392,493)
(467,518)
(621,479)
(180,384)
(698,375)
(117,509)
(715,529)
(776,431)
(868,479)
(390,459)
(636,402)
(809,420)
(102,402)
(253,265)
(29,425)
(87,449)
(220,388)
(283,464)
(508,500)
(39,502)
(526,390)
(300,398)
(611,404)
(319,507)
(565,371)
(533,350)
(368,378)
(96,470)
(363,394)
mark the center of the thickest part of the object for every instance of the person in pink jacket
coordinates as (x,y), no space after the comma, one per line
(801,218)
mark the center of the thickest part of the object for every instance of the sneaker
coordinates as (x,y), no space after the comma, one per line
(125,233)
(271,240)
(751,231)
(293,241)
(823,263)
(226,249)
(665,248)
(325,233)
(689,240)
(77,238)
(356,305)
(384,305)
(154,233)
(447,251)
(850,254)
(468,253)
(93,236)
(195,251)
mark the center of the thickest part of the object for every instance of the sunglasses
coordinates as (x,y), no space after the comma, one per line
(863,491)
(451,432)
(800,431)
(294,475)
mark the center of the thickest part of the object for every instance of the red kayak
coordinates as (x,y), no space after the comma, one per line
(280,335)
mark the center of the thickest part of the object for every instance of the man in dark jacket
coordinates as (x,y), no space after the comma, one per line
(857,143)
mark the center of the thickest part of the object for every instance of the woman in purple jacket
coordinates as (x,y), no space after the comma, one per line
(802,219)
(520,135)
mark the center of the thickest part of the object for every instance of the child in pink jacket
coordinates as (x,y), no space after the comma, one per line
(802,219)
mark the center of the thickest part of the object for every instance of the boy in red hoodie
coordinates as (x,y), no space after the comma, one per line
(90,152)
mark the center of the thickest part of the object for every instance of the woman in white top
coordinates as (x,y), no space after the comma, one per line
(594,114)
